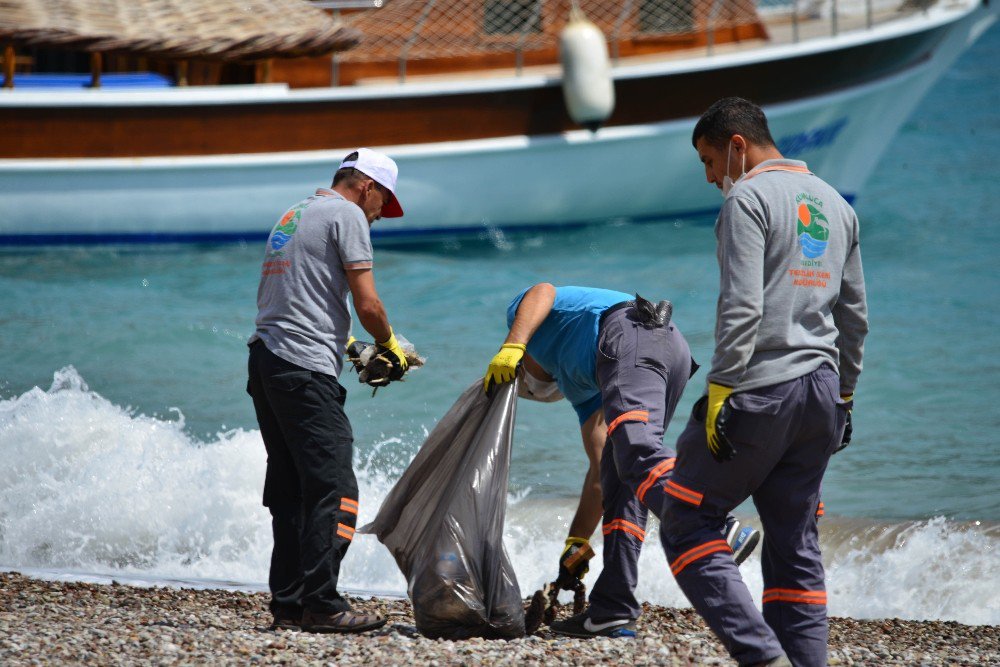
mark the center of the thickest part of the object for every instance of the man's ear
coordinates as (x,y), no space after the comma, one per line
(365,192)
(739,143)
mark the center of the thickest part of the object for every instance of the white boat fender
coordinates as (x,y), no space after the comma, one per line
(588,88)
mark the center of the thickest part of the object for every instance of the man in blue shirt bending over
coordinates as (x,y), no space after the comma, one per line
(623,365)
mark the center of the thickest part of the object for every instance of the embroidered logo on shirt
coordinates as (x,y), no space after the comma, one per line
(813,227)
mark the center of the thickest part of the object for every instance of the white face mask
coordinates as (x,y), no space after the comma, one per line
(727,182)
(538,390)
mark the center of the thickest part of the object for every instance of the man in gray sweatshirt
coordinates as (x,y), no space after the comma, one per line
(789,337)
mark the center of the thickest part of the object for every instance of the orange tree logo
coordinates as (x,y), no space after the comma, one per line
(813,229)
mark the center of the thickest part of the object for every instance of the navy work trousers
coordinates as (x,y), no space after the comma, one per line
(784,436)
(310,487)
(642,371)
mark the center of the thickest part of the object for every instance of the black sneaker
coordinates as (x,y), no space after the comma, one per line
(286,619)
(742,540)
(583,626)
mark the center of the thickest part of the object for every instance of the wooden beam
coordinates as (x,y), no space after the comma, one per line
(8,65)
(95,70)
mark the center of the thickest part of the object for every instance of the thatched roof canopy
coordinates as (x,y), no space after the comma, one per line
(199,29)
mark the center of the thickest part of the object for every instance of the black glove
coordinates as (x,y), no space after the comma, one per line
(396,367)
(377,365)
(573,563)
(651,315)
(848,428)
(714,410)
(391,350)
(724,450)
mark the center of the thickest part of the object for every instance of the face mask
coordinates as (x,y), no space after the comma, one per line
(538,390)
(727,182)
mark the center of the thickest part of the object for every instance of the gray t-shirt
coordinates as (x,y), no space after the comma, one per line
(302,310)
(792,291)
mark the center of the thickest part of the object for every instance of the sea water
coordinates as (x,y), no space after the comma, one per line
(129,447)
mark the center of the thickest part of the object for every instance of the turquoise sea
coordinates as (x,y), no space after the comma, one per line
(130,448)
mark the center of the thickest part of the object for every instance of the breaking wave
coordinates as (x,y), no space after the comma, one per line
(91,488)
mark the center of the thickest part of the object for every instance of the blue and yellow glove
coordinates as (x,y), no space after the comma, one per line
(503,366)
(573,563)
(849,427)
(715,421)
(395,353)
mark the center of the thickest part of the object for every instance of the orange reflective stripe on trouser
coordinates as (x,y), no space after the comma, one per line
(793,595)
(630,416)
(683,493)
(661,469)
(625,527)
(348,505)
(700,551)
(345,531)
(820,511)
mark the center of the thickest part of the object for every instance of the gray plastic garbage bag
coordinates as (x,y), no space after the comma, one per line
(443,522)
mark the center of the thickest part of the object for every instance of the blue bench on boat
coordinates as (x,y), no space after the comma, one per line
(44,80)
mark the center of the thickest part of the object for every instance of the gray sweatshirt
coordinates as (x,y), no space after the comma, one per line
(792,291)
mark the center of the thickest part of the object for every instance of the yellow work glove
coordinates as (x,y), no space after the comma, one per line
(503,367)
(849,426)
(576,567)
(718,443)
(396,355)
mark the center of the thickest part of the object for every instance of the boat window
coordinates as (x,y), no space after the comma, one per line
(666,16)
(512,17)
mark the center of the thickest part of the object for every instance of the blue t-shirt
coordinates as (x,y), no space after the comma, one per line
(565,344)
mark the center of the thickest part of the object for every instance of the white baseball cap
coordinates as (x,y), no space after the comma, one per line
(381,169)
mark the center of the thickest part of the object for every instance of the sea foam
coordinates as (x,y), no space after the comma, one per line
(90,488)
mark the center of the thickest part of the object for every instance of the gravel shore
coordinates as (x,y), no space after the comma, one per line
(44,622)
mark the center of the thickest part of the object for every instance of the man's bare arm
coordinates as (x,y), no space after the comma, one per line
(367,304)
(535,306)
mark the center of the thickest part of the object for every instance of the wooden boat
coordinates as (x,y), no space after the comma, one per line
(476,119)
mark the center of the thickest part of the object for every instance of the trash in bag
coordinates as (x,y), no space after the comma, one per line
(443,522)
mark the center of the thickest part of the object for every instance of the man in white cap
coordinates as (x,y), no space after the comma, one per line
(317,252)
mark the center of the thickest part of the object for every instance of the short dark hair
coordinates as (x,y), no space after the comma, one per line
(729,116)
(349,174)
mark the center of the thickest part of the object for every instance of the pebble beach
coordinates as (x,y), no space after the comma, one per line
(57,623)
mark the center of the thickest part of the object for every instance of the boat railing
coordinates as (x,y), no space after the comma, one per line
(413,38)
(437,36)
(619,23)
(536,15)
(797,20)
(713,15)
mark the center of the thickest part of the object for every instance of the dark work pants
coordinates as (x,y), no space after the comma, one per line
(309,488)
(784,436)
(642,372)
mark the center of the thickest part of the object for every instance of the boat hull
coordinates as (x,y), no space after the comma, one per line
(631,171)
